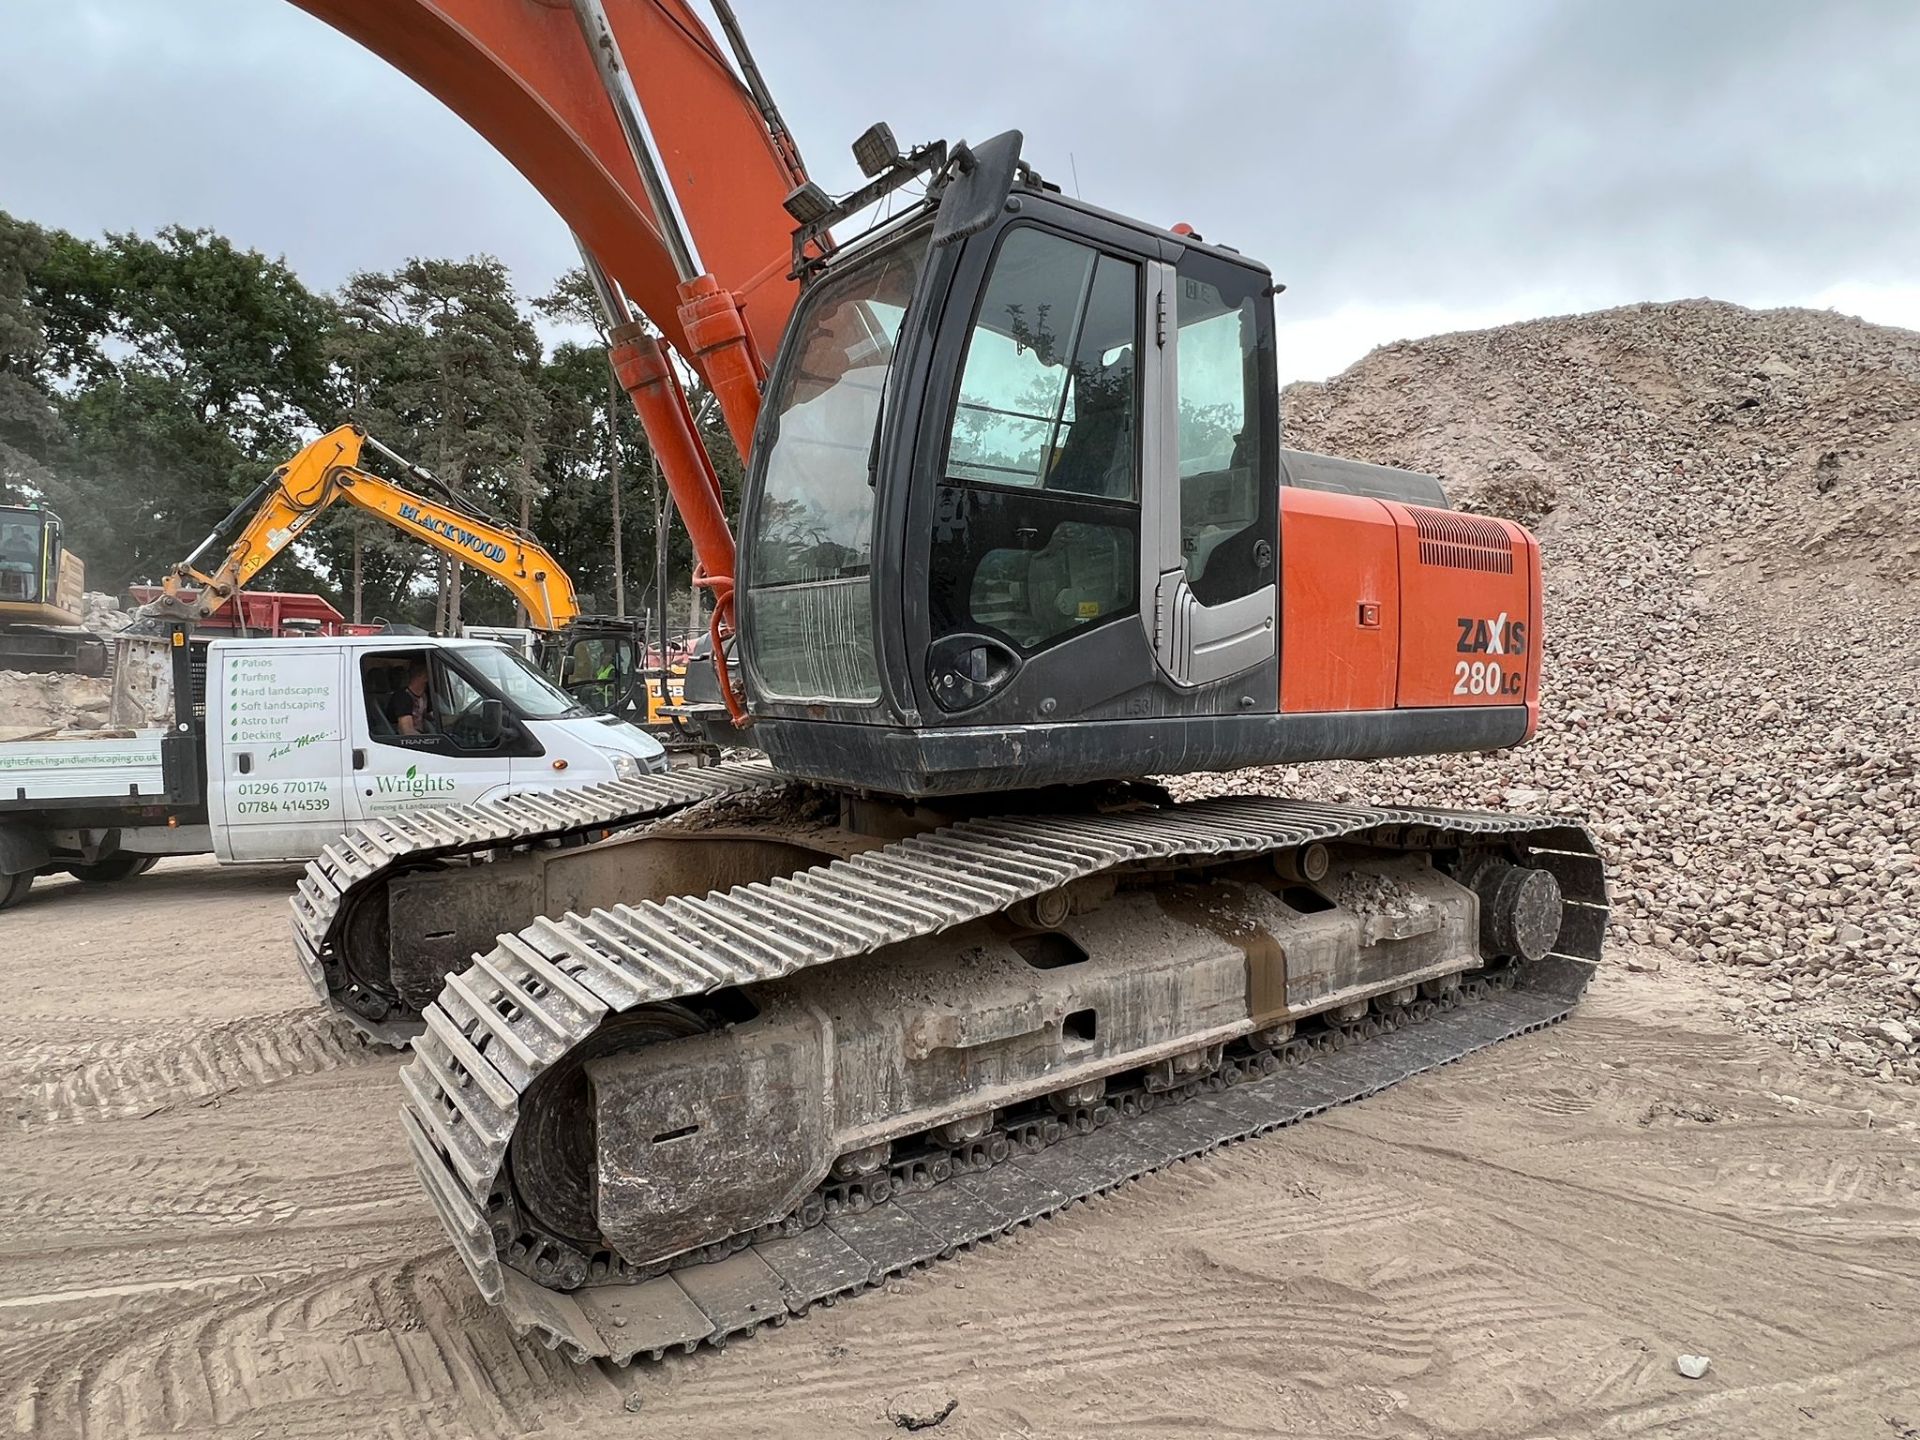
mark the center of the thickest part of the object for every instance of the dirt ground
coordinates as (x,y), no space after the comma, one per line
(207,1226)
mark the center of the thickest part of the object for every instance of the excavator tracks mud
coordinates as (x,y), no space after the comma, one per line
(637,1010)
(351,875)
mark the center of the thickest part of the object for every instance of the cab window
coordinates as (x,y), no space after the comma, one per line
(598,670)
(1037,521)
(415,700)
(811,634)
(20,560)
(1225,512)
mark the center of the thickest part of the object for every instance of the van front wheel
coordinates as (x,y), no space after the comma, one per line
(13,888)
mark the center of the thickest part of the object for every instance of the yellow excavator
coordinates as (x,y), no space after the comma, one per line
(42,586)
(596,658)
(287,503)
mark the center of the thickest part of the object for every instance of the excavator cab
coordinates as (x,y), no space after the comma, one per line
(596,659)
(1018,515)
(30,557)
(42,597)
(1012,514)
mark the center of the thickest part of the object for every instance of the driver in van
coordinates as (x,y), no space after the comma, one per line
(411,710)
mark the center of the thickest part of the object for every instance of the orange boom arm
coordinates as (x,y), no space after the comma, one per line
(520,72)
(544,81)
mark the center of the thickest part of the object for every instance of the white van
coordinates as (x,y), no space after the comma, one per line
(298,741)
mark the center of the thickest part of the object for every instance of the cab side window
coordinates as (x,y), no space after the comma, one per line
(1037,520)
(415,701)
(19,561)
(1226,514)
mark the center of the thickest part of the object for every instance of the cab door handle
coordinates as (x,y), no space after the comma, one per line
(359,759)
(244,760)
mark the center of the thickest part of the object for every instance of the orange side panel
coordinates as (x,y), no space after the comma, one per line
(1338,555)
(519,72)
(1470,629)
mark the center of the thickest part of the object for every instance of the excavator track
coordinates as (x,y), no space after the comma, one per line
(542,994)
(355,869)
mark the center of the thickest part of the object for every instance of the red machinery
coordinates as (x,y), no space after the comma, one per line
(266,612)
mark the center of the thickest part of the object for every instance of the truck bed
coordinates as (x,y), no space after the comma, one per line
(76,766)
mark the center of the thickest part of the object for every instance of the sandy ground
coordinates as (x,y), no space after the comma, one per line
(207,1227)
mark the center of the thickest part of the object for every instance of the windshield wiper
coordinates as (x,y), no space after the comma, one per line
(873,450)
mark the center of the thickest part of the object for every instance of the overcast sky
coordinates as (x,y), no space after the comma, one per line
(1406,168)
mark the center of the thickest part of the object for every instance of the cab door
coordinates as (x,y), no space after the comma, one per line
(460,753)
(1034,555)
(1209,518)
(1104,505)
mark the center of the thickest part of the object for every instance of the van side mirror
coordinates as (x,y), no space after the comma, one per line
(980,179)
(493,721)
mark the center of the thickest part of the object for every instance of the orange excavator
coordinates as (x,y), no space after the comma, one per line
(694,1052)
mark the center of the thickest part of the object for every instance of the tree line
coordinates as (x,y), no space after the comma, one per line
(149,383)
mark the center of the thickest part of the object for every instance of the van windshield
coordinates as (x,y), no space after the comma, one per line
(526,689)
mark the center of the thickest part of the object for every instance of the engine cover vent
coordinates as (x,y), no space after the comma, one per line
(1462,542)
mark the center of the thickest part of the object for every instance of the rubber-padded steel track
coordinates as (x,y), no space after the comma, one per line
(365,857)
(497,1027)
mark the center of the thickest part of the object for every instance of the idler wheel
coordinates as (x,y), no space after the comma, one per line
(553,1158)
(1519,909)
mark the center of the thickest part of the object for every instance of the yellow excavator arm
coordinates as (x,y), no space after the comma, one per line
(328,470)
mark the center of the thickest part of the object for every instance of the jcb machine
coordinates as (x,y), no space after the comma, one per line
(1018,533)
(42,597)
(593,657)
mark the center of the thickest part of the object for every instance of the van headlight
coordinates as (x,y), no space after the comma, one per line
(627,767)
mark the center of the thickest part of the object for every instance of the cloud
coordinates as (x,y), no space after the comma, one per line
(1882,304)
(1409,165)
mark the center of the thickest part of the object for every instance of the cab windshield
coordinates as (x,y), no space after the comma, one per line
(816,505)
(813,520)
(530,693)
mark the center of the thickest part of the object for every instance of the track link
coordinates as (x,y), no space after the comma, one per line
(354,868)
(498,1027)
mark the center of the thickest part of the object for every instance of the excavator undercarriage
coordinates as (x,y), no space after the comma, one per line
(766,1055)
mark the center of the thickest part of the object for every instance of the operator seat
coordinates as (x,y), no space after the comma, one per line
(378,726)
(1097,458)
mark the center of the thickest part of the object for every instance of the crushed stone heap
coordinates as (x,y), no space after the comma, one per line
(1729,507)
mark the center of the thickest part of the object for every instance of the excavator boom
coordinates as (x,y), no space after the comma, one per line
(673,174)
(327,471)
(520,73)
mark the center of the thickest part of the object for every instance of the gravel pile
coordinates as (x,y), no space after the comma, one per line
(1727,504)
